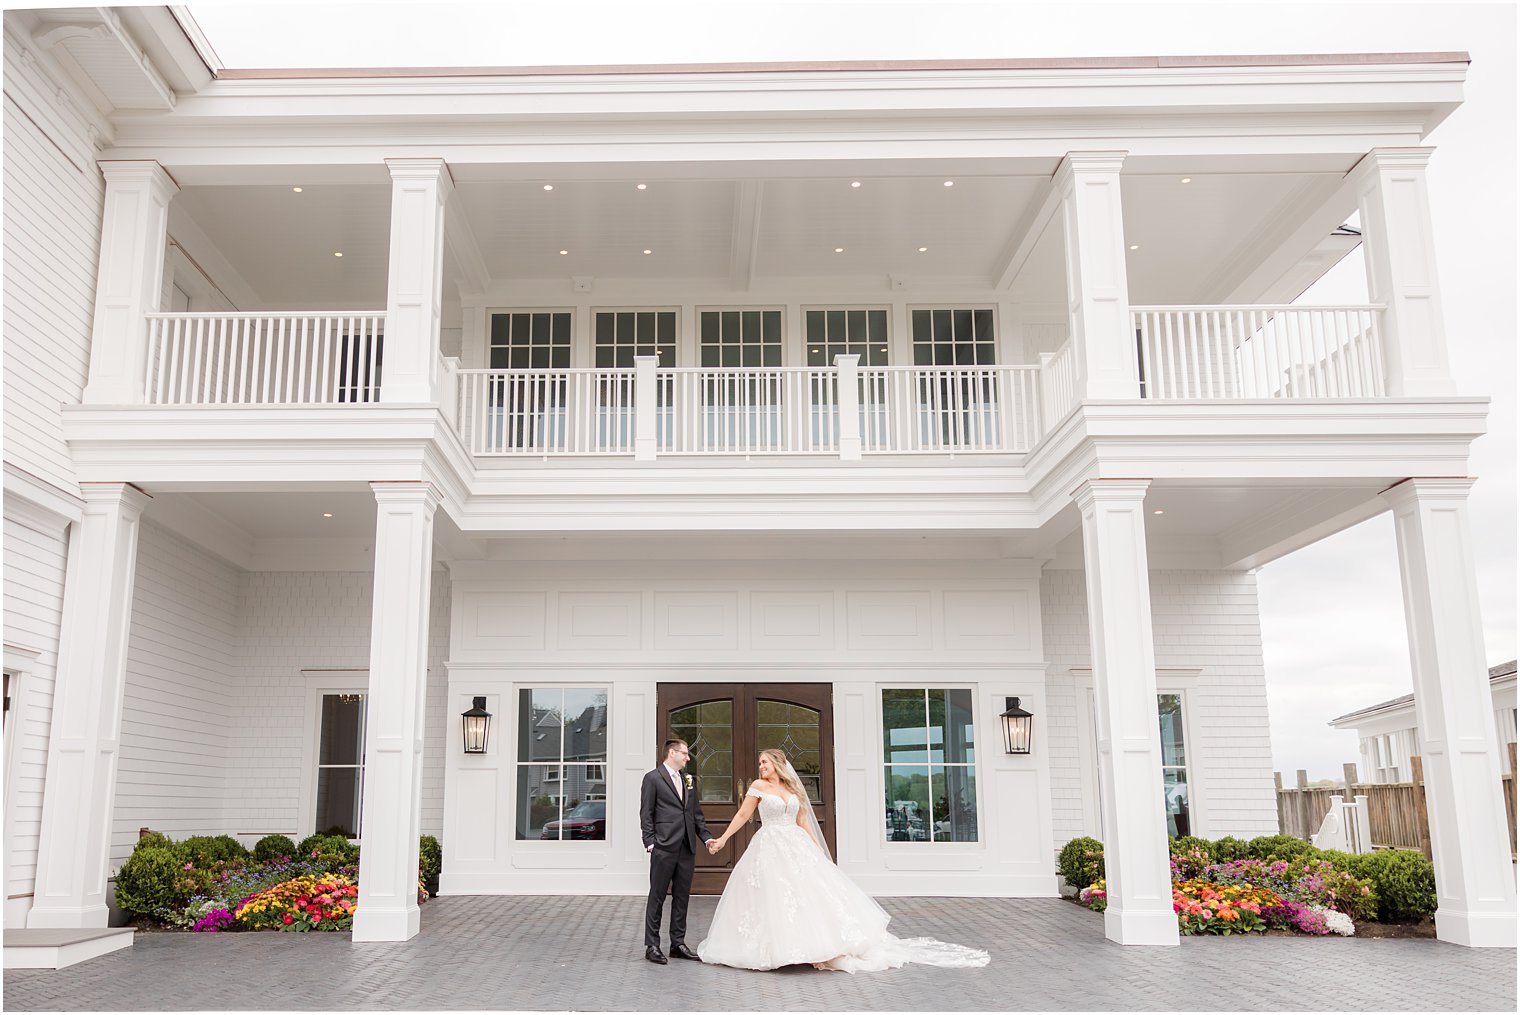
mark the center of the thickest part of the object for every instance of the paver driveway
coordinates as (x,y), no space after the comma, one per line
(585,953)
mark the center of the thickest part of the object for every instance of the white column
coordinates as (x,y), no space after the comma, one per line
(848,386)
(1097,281)
(1469,840)
(128,279)
(1135,852)
(414,295)
(1399,246)
(646,400)
(398,640)
(85,735)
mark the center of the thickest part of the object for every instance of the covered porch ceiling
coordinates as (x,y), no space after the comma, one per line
(1208,236)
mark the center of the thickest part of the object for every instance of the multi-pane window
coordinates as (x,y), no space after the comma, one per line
(930,765)
(536,340)
(1174,764)
(741,338)
(832,333)
(953,337)
(623,334)
(340,764)
(561,763)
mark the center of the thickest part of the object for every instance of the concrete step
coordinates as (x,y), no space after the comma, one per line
(56,949)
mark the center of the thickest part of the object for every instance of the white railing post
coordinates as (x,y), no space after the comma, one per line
(646,439)
(1047,393)
(849,406)
(448,398)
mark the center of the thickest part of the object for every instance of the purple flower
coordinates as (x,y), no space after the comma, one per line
(213,922)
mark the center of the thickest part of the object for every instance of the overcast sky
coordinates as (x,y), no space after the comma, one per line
(1332,614)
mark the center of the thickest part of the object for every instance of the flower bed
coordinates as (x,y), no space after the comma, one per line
(1278,884)
(303,903)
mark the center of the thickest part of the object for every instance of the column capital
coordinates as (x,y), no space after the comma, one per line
(130,171)
(1074,163)
(107,495)
(421,169)
(1110,491)
(1391,158)
(405,492)
(1423,490)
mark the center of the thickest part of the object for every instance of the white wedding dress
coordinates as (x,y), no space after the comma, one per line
(786,903)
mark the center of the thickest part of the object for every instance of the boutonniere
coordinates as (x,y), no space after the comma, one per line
(688,782)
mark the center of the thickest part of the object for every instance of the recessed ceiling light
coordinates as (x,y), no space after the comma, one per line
(337,253)
(548,186)
(649,251)
(297,189)
(1134,246)
(949,183)
(563,252)
(854,183)
(815,350)
(1158,511)
(838,250)
(643,186)
(326,514)
(1187,179)
(923,250)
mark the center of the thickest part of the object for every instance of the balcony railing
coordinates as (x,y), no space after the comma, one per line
(264,359)
(1259,352)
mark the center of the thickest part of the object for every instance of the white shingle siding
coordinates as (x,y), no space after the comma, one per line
(54,196)
(299,621)
(35,562)
(1206,621)
(177,714)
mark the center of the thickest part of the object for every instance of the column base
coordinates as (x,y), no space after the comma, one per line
(1476,930)
(376,924)
(1140,926)
(67,918)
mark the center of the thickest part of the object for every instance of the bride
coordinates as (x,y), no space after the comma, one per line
(787,903)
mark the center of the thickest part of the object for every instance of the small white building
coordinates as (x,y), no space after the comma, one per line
(1389,734)
(827,407)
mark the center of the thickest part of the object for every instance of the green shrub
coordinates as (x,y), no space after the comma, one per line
(334,850)
(205,850)
(271,847)
(156,839)
(146,883)
(1404,881)
(429,859)
(1081,862)
(1228,849)
(1188,843)
(1278,847)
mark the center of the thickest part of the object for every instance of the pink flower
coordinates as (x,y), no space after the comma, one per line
(189,866)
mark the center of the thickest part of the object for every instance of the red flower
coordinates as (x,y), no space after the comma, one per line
(288,918)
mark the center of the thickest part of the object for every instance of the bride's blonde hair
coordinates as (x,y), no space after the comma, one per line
(778,762)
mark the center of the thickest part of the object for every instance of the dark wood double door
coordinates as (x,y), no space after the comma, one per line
(727,726)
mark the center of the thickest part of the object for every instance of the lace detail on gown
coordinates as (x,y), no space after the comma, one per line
(787,903)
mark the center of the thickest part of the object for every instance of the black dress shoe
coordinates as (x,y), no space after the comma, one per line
(680,951)
(653,954)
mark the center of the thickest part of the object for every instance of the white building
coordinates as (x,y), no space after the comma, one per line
(821,406)
(1388,733)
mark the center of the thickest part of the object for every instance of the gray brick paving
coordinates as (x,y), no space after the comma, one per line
(585,954)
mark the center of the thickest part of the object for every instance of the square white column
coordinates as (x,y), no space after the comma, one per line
(392,806)
(1097,279)
(1469,840)
(84,738)
(1135,852)
(414,290)
(1399,244)
(128,279)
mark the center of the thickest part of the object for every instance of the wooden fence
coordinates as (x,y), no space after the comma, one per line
(1395,811)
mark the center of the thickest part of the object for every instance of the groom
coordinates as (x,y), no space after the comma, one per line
(670,813)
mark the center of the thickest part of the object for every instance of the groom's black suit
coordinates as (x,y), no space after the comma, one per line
(673,828)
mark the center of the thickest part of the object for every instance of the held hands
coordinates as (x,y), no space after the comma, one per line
(713,845)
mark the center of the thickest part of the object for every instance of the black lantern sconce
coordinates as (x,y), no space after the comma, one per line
(477,723)
(1018,728)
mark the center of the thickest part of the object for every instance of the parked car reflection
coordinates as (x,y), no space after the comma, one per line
(583,821)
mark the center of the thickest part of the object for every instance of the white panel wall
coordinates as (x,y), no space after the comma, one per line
(54,195)
(177,716)
(295,623)
(857,625)
(1208,646)
(35,560)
